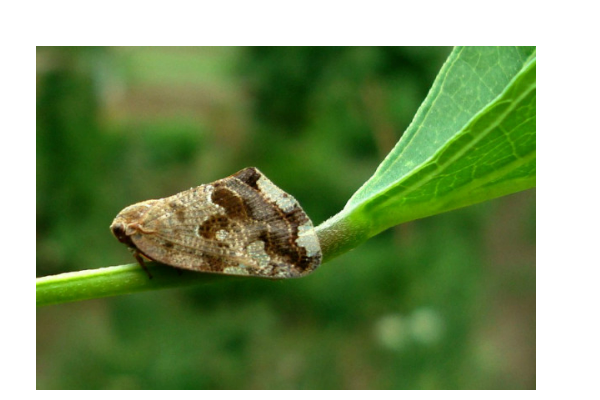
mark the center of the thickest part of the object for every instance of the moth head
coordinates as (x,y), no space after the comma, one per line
(128,221)
(118,229)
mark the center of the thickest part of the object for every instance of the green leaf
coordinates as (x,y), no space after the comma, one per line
(473,139)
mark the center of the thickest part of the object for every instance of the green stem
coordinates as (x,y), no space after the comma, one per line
(114,281)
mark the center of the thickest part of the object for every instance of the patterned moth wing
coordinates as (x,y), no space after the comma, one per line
(239,225)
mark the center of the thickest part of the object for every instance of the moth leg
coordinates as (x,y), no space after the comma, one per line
(140,261)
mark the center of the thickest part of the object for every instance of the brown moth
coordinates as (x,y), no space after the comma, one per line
(239,225)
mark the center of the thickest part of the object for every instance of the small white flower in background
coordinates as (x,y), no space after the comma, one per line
(391,331)
(423,326)
(426,326)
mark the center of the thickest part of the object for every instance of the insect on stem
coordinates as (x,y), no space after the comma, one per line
(239,225)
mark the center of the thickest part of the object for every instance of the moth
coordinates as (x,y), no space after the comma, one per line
(240,225)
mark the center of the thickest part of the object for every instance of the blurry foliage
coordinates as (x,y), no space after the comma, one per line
(444,302)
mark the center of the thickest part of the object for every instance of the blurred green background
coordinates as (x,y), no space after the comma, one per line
(447,302)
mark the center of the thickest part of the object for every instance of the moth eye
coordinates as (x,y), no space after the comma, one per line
(119,231)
